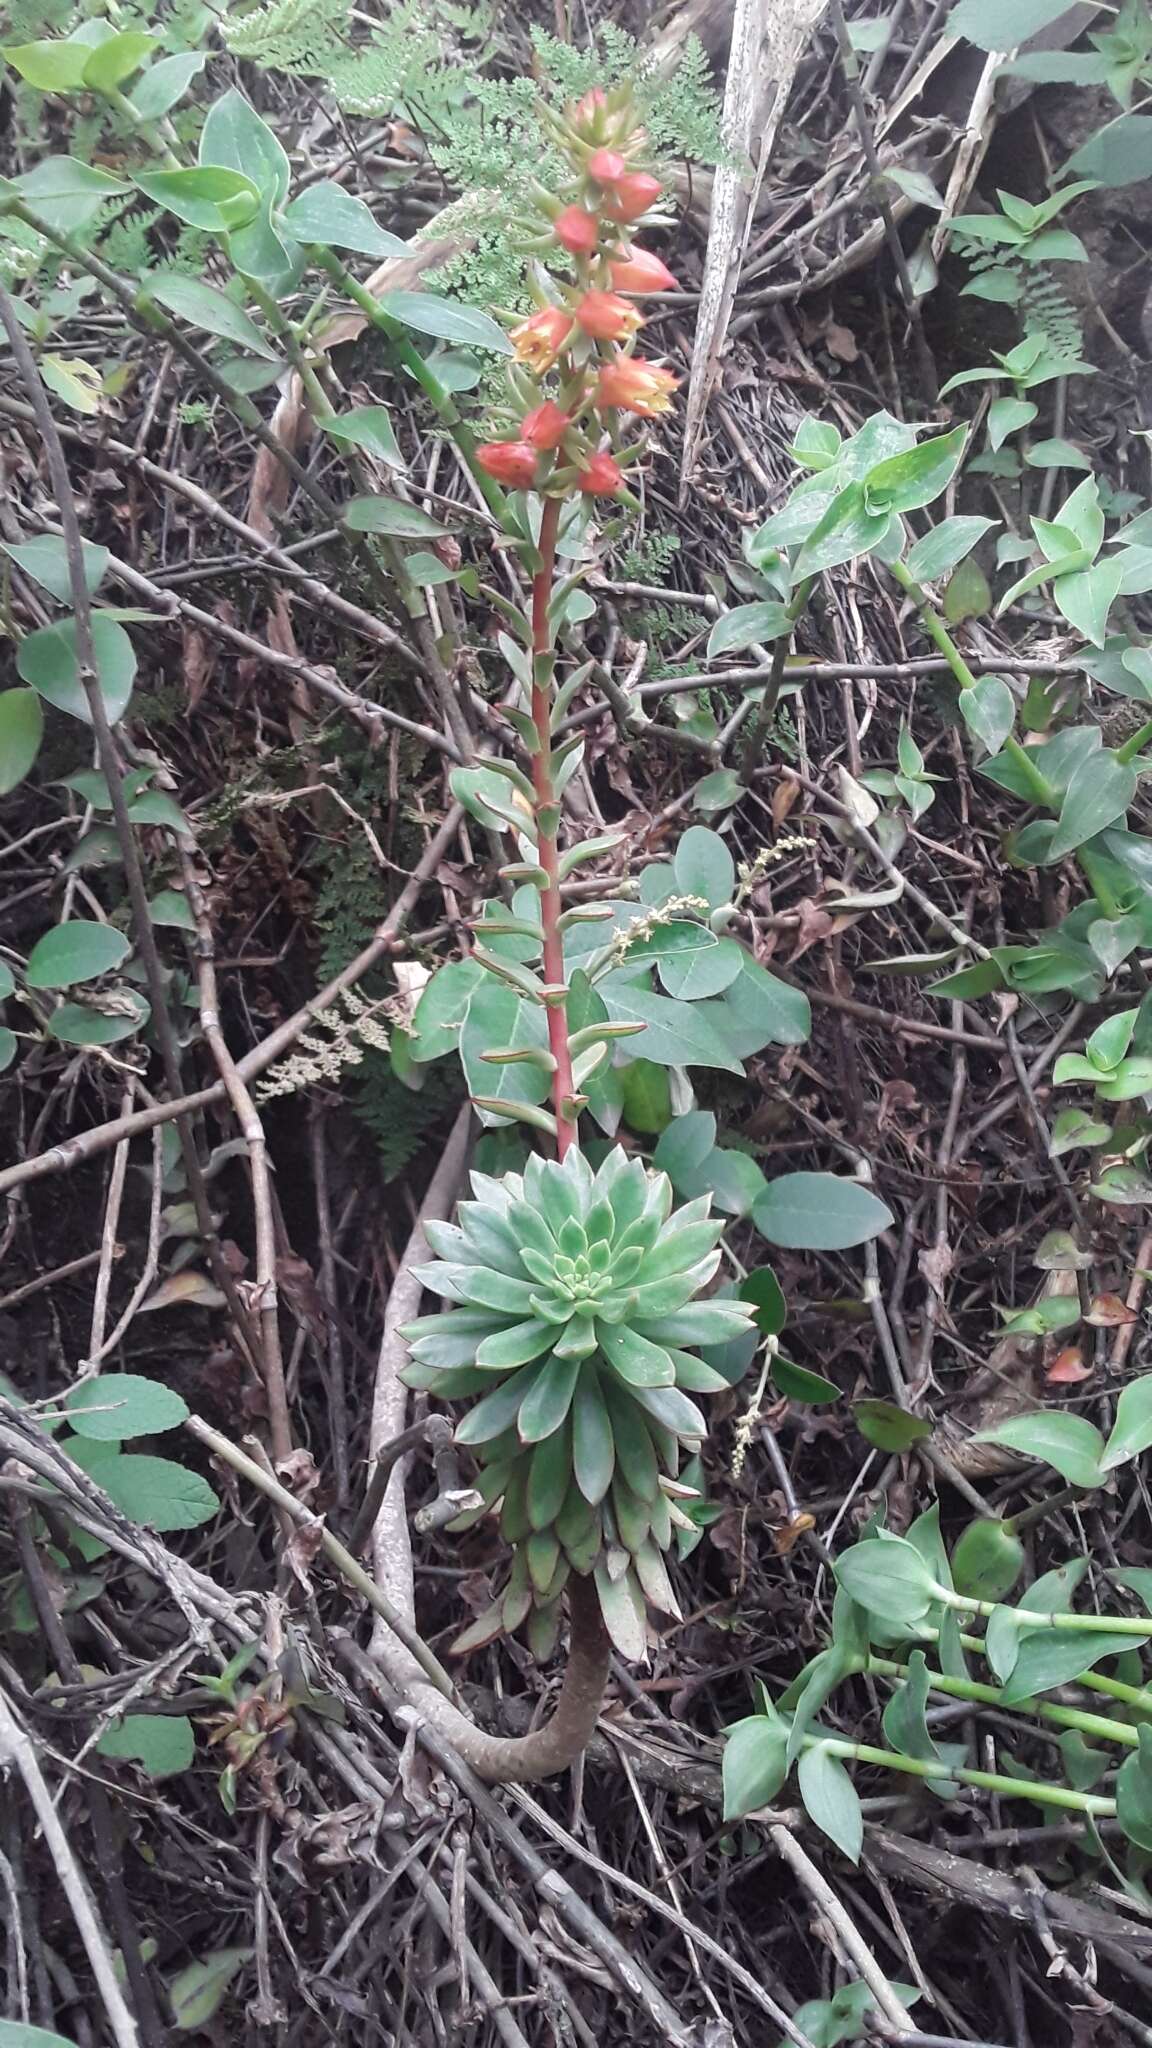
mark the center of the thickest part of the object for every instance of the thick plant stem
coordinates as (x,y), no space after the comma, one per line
(987,1781)
(1040,788)
(1099,1725)
(547,826)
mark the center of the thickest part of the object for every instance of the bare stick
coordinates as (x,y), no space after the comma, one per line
(17,1751)
(824,1898)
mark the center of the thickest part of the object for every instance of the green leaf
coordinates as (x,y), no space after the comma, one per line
(1056,455)
(764,1290)
(755,1764)
(888,1427)
(163,1743)
(49,66)
(987,1560)
(819,1212)
(262,250)
(8,1045)
(968,594)
(116,58)
(796,1383)
(1132,1429)
(166,82)
(938,551)
(1086,597)
(593,1444)
(123,1404)
(888,1577)
(984,21)
(1100,793)
(47,659)
(905,1722)
(816,443)
(203,307)
(1051,1657)
(82,1024)
(442,1008)
(647,1097)
(675,1034)
(195,1994)
(703,866)
(369,427)
(988,709)
(847,529)
(170,907)
(1134,1788)
(747,623)
(21,730)
(905,482)
(212,199)
(691,975)
(758,1009)
(46,558)
(446,320)
(326,214)
(390,515)
(1120,154)
(155,1491)
(235,137)
(717,792)
(498,1018)
(65,193)
(77,950)
(15,2034)
(830,1800)
(1006,416)
(1069,1443)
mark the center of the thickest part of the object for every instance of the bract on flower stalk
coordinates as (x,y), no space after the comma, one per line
(576,1292)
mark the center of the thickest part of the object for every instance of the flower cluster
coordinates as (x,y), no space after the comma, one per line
(577,1315)
(584,329)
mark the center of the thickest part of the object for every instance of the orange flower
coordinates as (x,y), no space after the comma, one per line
(627,384)
(539,339)
(641,271)
(632,195)
(606,316)
(510,462)
(545,426)
(607,166)
(576,230)
(600,476)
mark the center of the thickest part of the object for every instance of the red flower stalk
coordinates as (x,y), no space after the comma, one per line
(576,230)
(607,166)
(632,195)
(606,316)
(510,462)
(539,339)
(545,426)
(600,476)
(641,271)
(628,384)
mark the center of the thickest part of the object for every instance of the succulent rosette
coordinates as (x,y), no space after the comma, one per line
(576,1319)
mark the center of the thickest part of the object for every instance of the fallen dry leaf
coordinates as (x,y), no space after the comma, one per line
(184,1290)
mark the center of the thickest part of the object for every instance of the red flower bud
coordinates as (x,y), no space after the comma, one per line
(510,462)
(607,166)
(576,230)
(628,384)
(539,339)
(585,111)
(641,271)
(632,195)
(600,476)
(606,316)
(545,427)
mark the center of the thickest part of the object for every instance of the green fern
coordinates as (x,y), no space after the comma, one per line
(398,1117)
